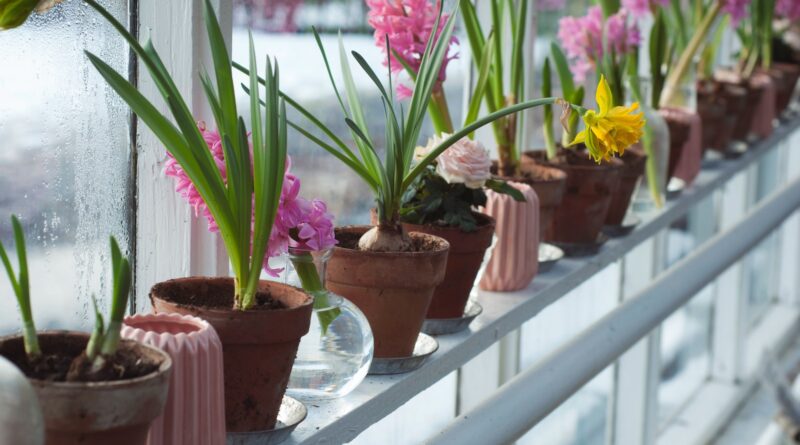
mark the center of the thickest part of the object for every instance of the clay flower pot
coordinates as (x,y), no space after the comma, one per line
(393,289)
(634,161)
(115,412)
(766,84)
(754,114)
(549,184)
(712,106)
(590,189)
(515,258)
(686,152)
(195,410)
(258,345)
(467,250)
(790,73)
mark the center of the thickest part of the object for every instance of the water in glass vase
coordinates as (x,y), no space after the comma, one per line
(335,355)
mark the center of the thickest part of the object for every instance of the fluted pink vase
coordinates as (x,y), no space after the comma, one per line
(195,410)
(691,155)
(515,259)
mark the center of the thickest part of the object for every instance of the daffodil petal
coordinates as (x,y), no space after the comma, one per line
(605,101)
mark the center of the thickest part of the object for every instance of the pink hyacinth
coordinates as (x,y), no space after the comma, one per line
(309,221)
(408,25)
(789,9)
(582,38)
(737,9)
(640,8)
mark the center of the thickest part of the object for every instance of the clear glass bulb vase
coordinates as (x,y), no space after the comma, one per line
(651,191)
(335,355)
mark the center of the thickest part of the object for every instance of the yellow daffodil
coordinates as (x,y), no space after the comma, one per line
(610,130)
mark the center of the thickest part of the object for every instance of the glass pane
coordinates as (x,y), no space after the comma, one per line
(686,334)
(64,167)
(282,30)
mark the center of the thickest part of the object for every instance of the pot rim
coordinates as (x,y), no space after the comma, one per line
(443,248)
(133,323)
(163,368)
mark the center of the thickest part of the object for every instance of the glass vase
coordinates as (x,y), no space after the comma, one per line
(651,191)
(335,355)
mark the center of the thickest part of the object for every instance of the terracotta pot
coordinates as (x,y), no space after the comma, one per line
(258,345)
(712,107)
(195,410)
(686,129)
(515,257)
(393,289)
(590,188)
(467,250)
(735,102)
(747,115)
(790,73)
(95,413)
(766,83)
(634,161)
(549,184)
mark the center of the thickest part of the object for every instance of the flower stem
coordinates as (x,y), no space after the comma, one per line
(653,180)
(311,282)
(684,62)
(440,112)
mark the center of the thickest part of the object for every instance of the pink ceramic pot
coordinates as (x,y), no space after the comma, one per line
(691,156)
(515,259)
(195,410)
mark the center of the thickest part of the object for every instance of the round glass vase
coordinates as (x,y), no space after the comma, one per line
(652,189)
(334,357)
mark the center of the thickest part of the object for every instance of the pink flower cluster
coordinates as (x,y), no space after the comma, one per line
(299,223)
(789,9)
(408,25)
(582,38)
(640,8)
(737,9)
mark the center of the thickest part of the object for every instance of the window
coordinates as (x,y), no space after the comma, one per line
(64,167)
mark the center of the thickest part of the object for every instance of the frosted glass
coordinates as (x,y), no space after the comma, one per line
(64,161)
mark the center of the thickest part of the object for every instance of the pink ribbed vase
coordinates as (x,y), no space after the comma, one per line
(515,259)
(195,410)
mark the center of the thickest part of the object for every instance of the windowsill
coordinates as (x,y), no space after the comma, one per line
(341,420)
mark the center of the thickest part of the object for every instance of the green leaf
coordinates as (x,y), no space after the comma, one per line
(506,189)
(563,71)
(480,86)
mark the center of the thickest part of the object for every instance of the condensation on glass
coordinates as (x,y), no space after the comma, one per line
(64,162)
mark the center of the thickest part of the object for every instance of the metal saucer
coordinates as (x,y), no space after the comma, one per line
(444,326)
(425,346)
(628,224)
(548,256)
(291,413)
(675,187)
(581,250)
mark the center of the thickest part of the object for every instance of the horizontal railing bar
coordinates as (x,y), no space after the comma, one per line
(525,400)
(341,420)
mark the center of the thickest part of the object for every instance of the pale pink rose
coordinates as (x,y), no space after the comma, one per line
(465,162)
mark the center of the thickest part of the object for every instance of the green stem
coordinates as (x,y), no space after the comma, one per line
(442,122)
(30,340)
(672,84)
(312,283)
(651,167)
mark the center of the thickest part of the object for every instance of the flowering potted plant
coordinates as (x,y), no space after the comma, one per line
(259,323)
(389,273)
(92,389)
(442,202)
(787,13)
(488,58)
(600,43)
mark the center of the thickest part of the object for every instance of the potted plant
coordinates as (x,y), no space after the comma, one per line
(389,273)
(96,389)
(259,323)
(489,60)
(787,13)
(443,202)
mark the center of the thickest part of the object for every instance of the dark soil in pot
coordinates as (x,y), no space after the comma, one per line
(590,189)
(549,184)
(712,106)
(790,73)
(393,289)
(634,161)
(467,250)
(258,345)
(117,410)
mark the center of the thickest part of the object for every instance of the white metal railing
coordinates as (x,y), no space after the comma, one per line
(530,396)
(343,420)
